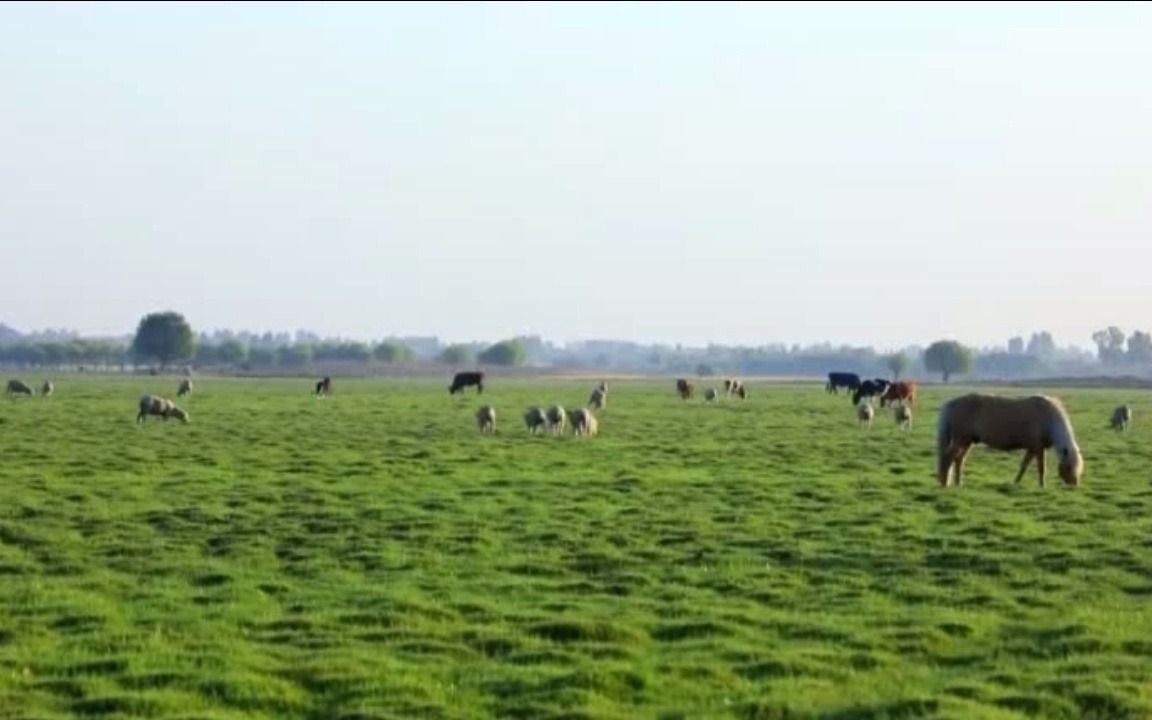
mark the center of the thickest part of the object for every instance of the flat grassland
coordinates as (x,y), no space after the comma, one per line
(370,555)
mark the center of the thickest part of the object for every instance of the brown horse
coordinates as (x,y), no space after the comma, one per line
(685,389)
(1032,424)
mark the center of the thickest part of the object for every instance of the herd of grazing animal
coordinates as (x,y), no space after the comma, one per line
(1033,424)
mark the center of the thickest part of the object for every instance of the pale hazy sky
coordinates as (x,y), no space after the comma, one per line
(862,173)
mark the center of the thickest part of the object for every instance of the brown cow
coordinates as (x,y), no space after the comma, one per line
(903,392)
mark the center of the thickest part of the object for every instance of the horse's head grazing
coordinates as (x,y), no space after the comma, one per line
(1071,465)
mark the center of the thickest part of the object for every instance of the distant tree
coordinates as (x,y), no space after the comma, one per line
(1041,345)
(206,354)
(704,370)
(1109,345)
(456,355)
(948,358)
(505,352)
(232,352)
(1016,346)
(1140,348)
(164,337)
(898,364)
(261,357)
(294,356)
(393,353)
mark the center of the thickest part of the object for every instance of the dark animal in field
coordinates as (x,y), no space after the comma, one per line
(685,389)
(837,380)
(869,389)
(536,420)
(1121,417)
(741,391)
(1032,424)
(16,387)
(710,394)
(185,388)
(47,388)
(160,407)
(598,399)
(324,387)
(467,379)
(903,392)
(557,419)
(486,419)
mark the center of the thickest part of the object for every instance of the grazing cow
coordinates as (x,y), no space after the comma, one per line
(865,413)
(47,388)
(161,407)
(466,379)
(324,387)
(903,392)
(1032,424)
(741,391)
(185,388)
(583,422)
(869,389)
(836,380)
(710,394)
(486,419)
(685,389)
(598,400)
(536,420)
(557,419)
(1121,417)
(16,387)
(904,417)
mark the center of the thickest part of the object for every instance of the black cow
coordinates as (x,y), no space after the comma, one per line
(848,381)
(870,388)
(324,387)
(465,379)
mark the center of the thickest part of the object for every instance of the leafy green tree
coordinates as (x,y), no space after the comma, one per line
(393,353)
(948,358)
(506,352)
(294,356)
(898,364)
(232,352)
(456,355)
(164,337)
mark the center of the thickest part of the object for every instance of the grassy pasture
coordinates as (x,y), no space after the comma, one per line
(370,555)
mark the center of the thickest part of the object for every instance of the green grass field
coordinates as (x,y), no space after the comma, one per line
(370,555)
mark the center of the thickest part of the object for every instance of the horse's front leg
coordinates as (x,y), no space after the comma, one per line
(1040,466)
(1024,466)
(960,458)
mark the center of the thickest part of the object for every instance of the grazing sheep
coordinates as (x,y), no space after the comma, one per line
(15,387)
(583,422)
(557,419)
(710,394)
(1121,417)
(865,413)
(185,388)
(599,399)
(161,407)
(904,416)
(47,389)
(486,419)
(536,420)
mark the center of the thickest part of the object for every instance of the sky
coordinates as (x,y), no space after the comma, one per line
(865,173)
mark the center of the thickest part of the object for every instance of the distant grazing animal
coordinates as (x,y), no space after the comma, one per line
(557,419)
(865,413)
(536,420)
(486,419)
(836,380)
(710,394)
(735,387)
(598,400)
(324,387)
(869,389)
(1032,424)
(185,388)
(583,422)
(161,407)
(685,389)
(1121,417)
(904,416)
(466,379)
(742,391)
(47,388)
(16,387)
(903,392)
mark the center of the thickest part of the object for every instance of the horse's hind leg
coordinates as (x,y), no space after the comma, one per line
(1024,466)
